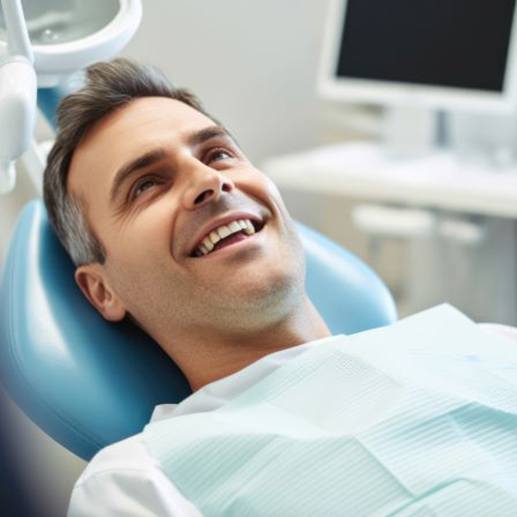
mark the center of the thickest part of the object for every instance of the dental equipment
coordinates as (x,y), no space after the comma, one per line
(17,94)
(42,45)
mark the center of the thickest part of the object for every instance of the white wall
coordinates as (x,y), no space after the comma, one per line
(253,63)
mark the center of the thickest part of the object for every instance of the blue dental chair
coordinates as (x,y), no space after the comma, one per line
(88,382)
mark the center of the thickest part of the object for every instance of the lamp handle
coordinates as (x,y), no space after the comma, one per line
(18,42)
(18,93)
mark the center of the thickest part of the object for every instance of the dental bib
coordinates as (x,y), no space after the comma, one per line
(418,418)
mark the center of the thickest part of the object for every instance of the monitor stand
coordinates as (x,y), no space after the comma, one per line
(410,132)
(482,140)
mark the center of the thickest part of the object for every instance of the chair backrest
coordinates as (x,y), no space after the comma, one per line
(88,382)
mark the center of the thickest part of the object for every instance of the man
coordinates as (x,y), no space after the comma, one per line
(170,225)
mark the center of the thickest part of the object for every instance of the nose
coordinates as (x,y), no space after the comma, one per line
(207,185)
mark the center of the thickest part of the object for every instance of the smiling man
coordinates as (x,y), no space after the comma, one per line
(170,225)
(175,206)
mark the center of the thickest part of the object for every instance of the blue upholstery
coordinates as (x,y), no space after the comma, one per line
(88,382)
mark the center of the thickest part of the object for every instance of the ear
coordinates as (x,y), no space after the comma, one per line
(90,279)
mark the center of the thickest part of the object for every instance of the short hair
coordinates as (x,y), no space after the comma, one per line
(108,86)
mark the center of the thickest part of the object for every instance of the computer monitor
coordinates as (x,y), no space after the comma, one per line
(438,54)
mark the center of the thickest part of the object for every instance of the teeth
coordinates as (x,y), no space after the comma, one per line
(234,226)
(224,231)
(214,237)
(209,242)
(250,229)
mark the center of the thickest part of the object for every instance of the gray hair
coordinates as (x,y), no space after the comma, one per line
(108,86)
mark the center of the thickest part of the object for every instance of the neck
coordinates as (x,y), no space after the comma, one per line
(217,356)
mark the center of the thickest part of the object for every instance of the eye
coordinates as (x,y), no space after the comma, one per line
(217,155)
(139,186)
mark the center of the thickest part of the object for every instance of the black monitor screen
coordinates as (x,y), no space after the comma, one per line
(454,43)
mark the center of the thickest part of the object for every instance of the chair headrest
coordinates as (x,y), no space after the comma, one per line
(88,382)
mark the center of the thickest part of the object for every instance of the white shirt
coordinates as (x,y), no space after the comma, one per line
(124,480)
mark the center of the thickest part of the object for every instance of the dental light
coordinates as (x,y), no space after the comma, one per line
(43,44)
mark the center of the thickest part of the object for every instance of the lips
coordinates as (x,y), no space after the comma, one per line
(257,222)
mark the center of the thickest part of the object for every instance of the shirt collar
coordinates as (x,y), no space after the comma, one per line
(215,394)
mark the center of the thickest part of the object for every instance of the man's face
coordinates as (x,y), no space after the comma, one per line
(158,177)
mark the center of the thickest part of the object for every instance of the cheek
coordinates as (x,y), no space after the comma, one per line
(274,194)
(263,188)
(269,194)
(292,237)
(271,187)
(138,252)
(149,229)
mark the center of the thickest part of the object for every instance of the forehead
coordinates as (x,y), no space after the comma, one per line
(126,133)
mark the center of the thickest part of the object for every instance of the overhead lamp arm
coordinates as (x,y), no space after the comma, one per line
(18,42)
(18,92)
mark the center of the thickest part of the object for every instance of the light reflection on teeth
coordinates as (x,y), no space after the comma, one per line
(224,231)
(234,226)
(208,243)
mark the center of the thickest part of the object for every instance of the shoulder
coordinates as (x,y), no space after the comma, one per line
(128,454)
(124,479)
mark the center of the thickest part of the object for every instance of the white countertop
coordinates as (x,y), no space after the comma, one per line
(363,170)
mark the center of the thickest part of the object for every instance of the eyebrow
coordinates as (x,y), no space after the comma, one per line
(155,155)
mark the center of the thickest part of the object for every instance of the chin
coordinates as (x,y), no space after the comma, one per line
(280,288)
